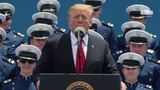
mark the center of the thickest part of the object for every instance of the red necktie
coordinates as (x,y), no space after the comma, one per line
(80,63)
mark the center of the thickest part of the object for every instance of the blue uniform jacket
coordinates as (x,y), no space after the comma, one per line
(13,40)
(157,51)
(137,86)
(20,83)
(150,74)
(6,68)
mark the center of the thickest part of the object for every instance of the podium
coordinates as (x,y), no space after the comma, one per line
(55,81)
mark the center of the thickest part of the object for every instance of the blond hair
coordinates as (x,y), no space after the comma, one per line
(81,7)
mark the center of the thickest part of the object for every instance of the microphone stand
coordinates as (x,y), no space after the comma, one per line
(79,50)
(79,32)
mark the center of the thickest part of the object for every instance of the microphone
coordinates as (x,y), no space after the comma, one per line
(80,32)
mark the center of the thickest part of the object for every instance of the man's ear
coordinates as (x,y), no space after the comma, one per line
(122,70)
(10,20)
(18,62)
(100,9)
(30,41)
(34,65)
(139,69)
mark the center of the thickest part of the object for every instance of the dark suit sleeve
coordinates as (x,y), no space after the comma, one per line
(45,64)
(109,63)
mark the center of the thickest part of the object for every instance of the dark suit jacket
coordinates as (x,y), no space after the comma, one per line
(57,56)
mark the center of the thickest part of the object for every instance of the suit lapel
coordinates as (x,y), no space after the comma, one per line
(90,51)
(68,55)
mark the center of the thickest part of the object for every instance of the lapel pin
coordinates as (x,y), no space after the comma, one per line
(92,46)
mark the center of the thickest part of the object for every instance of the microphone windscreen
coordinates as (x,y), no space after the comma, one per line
(80,32)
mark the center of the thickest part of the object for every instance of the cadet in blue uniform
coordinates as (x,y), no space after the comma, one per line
(28,56)
(157,51)
(51,6)
(14,39)
(103,28)
(6,65)
(138,41)
(139,12)
(121,42)
(131,67)
(39,34)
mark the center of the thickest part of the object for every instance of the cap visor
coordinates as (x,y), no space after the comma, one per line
(41,38)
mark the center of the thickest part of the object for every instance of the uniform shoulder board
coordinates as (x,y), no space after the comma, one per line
(62,30)
(7,81)
(120,35)
(18,33)
(146,86)
(108,25)
(119,52)
(154,60)
(153,35)
(8,60)
(150,51)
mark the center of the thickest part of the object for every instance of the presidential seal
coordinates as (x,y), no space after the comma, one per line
(79,85)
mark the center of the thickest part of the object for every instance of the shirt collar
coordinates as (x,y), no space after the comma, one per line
(74,39)
(131,85)
(26,78)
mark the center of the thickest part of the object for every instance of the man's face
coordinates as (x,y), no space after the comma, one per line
(138,48)
(26,67)
(81,18)
(142,20)
(97,12)
(38,42)
(6,24)
(130,73)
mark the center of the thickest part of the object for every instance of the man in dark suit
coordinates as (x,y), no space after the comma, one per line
(60,53)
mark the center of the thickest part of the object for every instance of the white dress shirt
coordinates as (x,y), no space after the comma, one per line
(74,43)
